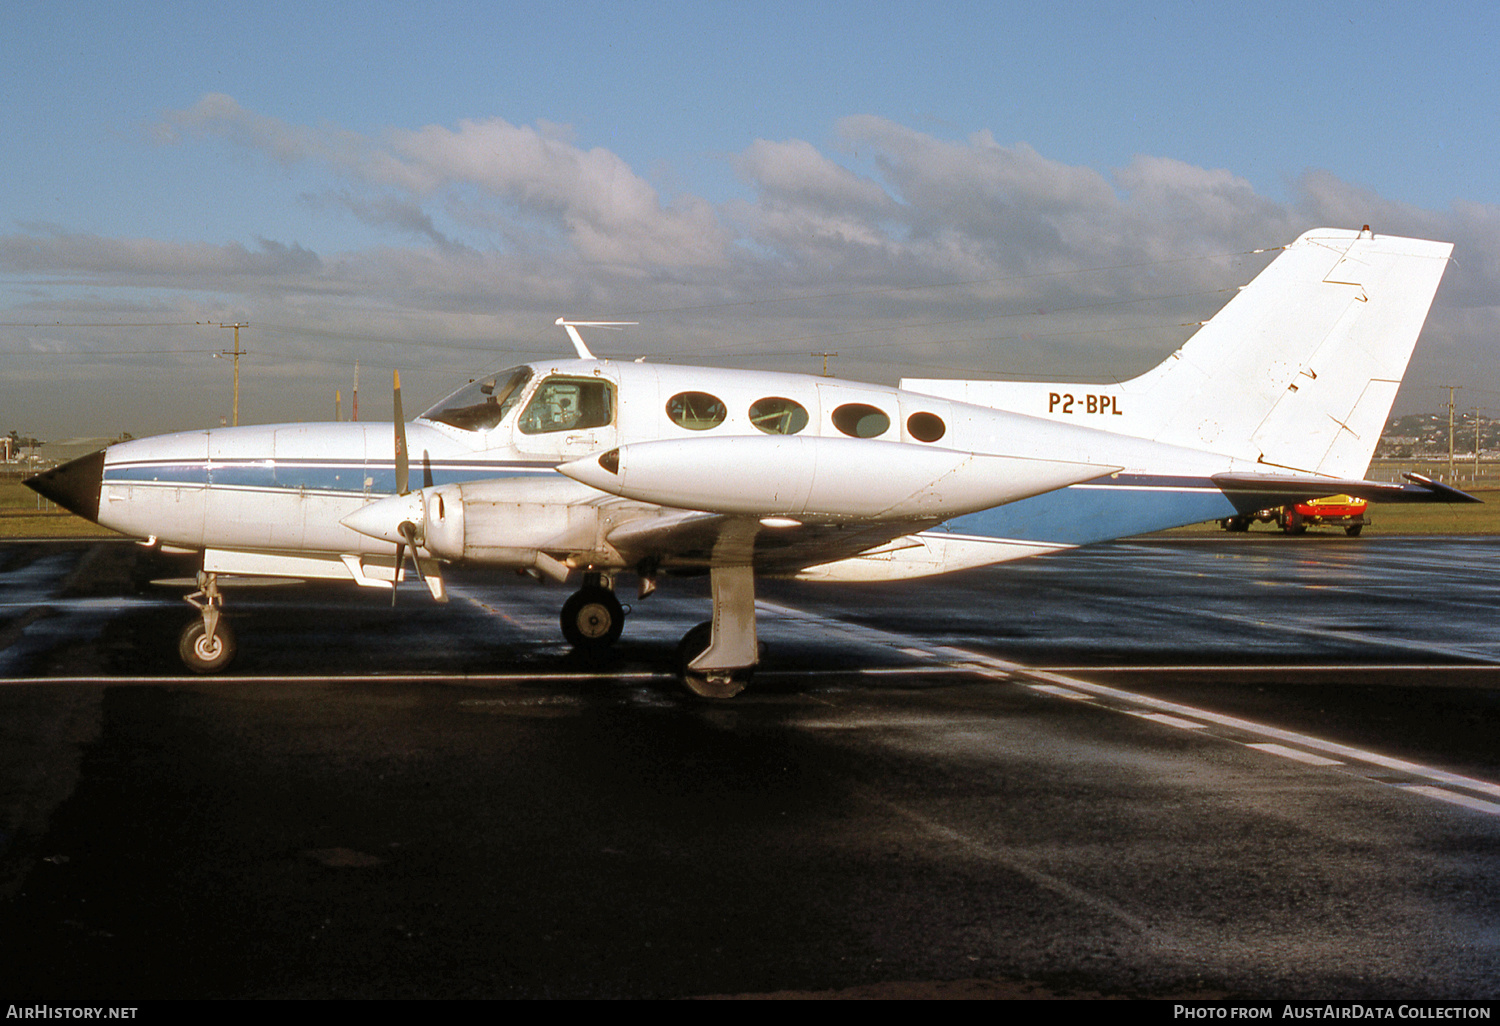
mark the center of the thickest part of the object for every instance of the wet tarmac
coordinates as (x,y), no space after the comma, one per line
(1252,766)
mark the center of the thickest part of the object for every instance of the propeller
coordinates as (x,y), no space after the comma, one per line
(406,528)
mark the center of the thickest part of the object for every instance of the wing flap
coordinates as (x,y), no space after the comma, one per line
(686,541)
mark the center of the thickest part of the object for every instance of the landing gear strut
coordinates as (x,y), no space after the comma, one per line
(593,618)
(715,658)
(206,644)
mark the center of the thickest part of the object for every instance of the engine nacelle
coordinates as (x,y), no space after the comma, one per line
(511,521)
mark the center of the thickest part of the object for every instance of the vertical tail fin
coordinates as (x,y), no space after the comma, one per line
(1297,371)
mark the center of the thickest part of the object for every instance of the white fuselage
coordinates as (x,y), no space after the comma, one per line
(744,443)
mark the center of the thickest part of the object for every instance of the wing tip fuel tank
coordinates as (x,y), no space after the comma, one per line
(821,477)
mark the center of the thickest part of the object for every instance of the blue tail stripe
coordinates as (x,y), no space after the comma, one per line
(1092,513)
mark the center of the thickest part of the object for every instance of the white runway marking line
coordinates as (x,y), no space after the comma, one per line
(352,678)
(1158,668)
(1444,795)
(1305,744)
(526,624)
(1045,881)
(1168,720)
(1337,754)
(1480,653)
(1069,693)
(1292,753)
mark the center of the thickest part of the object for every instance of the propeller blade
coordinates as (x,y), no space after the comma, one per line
(401,482)
(434,580)
(396,573)
(409,532)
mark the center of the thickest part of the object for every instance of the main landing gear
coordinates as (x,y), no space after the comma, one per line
(206,644)
(593,618)
(714,660)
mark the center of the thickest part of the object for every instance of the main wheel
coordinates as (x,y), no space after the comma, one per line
(720,684)
(1294,523)
(203,653)
(592,619)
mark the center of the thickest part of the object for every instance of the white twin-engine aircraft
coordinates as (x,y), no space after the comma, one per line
(604,468)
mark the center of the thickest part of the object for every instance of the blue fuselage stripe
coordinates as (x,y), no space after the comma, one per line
(309,475)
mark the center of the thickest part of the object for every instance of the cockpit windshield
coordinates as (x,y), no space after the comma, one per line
(482,404)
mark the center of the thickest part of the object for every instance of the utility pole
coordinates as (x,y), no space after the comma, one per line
(1451,389)
(236,354)
(1476,445)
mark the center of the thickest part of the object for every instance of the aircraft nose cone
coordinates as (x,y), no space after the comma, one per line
(74,486)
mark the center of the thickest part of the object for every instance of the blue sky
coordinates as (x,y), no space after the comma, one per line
(428,186)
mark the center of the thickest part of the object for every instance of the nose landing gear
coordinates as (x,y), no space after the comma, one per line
(206,644)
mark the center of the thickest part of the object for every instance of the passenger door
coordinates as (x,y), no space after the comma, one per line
(570,416)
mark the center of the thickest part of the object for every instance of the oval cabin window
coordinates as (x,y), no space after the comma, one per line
(861,421)
(926,427)
(777,416)
(696,411)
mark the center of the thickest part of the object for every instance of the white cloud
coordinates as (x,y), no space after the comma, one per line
(609,214)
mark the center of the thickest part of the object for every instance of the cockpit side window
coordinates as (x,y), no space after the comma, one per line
(480,405)
(569,404)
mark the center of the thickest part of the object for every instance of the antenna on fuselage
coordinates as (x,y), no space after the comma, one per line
(573,326)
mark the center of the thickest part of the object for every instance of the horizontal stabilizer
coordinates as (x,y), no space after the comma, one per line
(1251,492)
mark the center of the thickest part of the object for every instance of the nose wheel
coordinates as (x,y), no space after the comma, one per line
(203,652)
(206,644)
(592,619)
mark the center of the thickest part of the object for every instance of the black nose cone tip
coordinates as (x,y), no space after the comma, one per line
(74,486)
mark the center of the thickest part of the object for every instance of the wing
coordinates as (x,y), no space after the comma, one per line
(683,541)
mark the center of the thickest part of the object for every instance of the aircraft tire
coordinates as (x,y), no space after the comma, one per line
(592,619)
(203,654)
(1353,530)
(692,645)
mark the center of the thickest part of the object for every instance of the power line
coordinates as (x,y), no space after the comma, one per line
(99,324)
(110,352)
(954,284)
